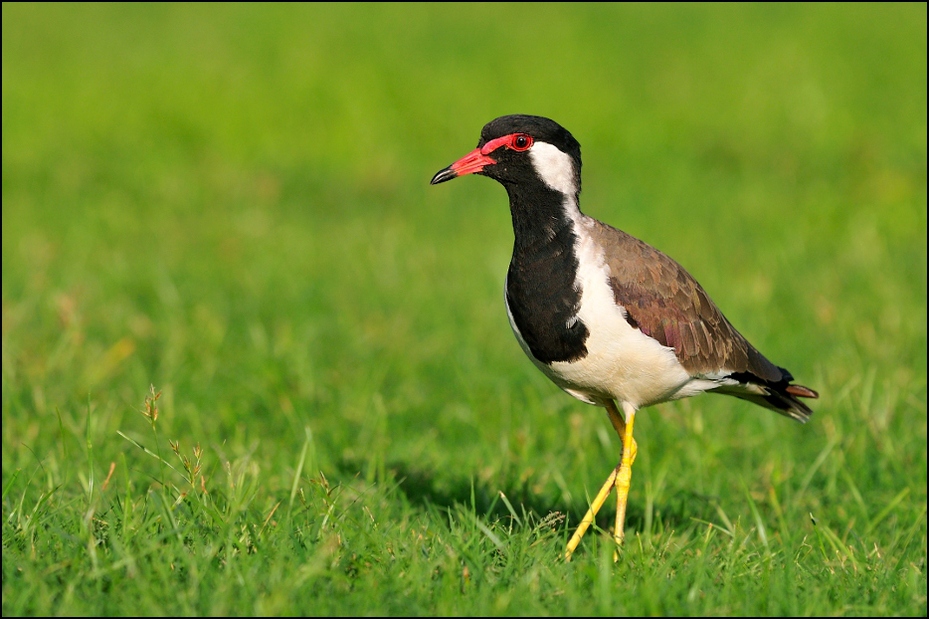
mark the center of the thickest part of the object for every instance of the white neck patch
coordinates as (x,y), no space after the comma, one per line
(554,167)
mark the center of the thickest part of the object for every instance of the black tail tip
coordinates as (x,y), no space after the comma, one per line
(801,392)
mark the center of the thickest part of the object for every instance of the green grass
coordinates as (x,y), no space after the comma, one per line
(231,204)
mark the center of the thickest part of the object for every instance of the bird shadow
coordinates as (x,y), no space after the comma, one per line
(423,488)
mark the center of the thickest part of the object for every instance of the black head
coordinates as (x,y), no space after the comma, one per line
(520,149)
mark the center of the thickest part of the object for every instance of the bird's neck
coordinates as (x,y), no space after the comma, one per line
(543,219)
(541,284)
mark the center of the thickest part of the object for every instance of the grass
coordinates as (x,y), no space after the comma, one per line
(223,213)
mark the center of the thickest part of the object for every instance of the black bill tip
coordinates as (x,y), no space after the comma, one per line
(441,176)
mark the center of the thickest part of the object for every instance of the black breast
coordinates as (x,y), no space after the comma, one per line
(540,284)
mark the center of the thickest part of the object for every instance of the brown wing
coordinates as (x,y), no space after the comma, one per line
(665,302)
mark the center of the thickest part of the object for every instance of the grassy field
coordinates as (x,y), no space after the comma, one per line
(222,213)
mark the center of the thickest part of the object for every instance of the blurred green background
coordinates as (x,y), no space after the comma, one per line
(231,203)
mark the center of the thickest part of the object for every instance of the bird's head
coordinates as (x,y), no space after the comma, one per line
(520,149)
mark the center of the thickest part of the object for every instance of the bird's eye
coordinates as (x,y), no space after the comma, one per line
(521,142)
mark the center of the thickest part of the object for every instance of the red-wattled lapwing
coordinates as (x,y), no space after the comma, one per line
(608,318)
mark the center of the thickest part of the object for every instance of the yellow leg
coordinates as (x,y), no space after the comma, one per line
(626,463)
(624,476)
(588,520)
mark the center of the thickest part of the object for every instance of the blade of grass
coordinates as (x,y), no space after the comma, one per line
(300,462)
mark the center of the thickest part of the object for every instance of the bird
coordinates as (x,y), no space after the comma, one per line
(608,318)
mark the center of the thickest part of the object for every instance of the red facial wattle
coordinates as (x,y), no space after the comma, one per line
(479,158)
